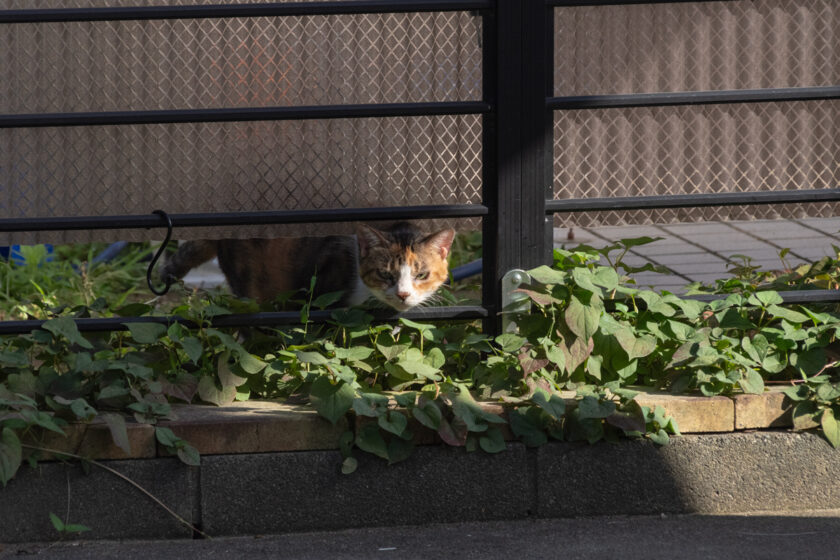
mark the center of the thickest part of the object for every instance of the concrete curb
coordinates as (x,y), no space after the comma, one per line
(270,468)
(282,492)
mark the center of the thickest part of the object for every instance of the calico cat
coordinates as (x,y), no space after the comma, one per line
(398,266)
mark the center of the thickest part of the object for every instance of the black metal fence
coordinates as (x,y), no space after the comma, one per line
(517,112)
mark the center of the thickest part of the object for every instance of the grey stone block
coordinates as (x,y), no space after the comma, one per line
(286,492)
(111,507)
(578,479)
(742,472)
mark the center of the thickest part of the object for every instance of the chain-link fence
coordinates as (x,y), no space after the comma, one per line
(697,46)
(237,62)
(377,58)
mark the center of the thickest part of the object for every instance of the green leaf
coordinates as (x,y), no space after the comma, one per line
(787,314)
(797,393)
(828,392)
(188,454)
(466,408)
(732,319)
(492,440)
(14,358)
(810,362)
(57,522)
(66,327)
(605,277)
(428,414)
(691,308)
(804,415)
(369,407)
(332,401)
(370,439)
(146,333)
(209,392)
(585,279)
(510,342)
(556,356)
(553,404)
(426,330)
(540,298)
(10,454)
(119,433)
(395,422)
(193,348)
(134,310)
(354,354)
(325,300)
(547,275)
(656,304)
(226,377)
(412,362)
(405,400)
(660,437)
(830,427)
(349,465)
(578,352)
(399,449)
(314,358)
(582,319)
(637,241)
(82,409)
(525,425)
(591,407)
(43,419)
(752,382)
(633,346)
(391,351)
(765,299)
(166,437)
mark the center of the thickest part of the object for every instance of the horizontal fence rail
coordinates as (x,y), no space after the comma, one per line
(242,218)
(238,320)
(616,101)
(691,200)
(269,9)
(580,3)
(183,116)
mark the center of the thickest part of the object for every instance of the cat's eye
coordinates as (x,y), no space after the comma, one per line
(385,275)
(422,276)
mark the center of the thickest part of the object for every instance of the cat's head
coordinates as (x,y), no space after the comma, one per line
(402,267)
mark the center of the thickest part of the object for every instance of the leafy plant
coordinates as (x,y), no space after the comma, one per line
(567,372)
(817,404)
(67,528)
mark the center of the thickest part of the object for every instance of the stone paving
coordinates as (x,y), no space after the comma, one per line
(704,252)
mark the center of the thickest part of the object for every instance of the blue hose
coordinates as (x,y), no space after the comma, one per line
(466,270)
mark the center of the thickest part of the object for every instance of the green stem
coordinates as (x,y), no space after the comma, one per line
(123,477)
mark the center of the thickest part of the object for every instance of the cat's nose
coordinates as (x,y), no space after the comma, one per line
(403,295)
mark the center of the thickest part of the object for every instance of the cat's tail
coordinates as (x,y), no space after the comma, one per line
(188,256)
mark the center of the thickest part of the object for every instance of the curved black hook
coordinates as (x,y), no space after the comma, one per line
(159,252)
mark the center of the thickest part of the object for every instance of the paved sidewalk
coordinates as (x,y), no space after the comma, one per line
(782,536)
(701,252)
(695,252)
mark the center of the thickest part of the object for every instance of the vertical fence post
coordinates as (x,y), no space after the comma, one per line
(517,142)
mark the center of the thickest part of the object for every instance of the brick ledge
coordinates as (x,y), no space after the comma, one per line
(270,426)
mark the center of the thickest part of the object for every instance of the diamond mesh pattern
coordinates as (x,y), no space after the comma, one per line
(697,149)
(220,167)
(680,150)
(237,62)
(696,46)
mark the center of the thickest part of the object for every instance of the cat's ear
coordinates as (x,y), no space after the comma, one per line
(369,237)
(441,241)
